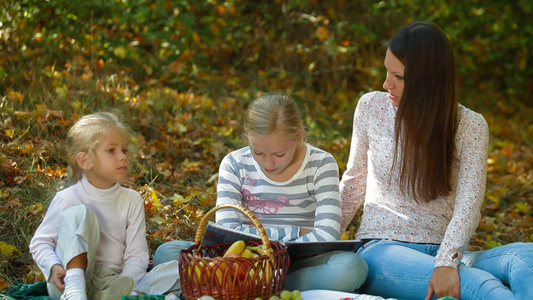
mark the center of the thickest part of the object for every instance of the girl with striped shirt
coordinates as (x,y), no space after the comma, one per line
(293,189)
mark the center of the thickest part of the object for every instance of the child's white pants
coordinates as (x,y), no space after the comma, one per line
(78,233)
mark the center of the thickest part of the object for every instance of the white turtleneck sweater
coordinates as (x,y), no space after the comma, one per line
(120,213)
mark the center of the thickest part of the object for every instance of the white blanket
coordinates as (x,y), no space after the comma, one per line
(334,295)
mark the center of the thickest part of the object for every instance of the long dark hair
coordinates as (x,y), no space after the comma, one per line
(427,115)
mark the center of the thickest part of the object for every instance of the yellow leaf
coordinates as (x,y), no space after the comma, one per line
(3,283)
(196,38)
(188,164)
(502,190)
(179,199)
(523,207)
(119,51)
(159,220)
(15,95)
(311,67)
(35,208)
(493,199)
(322,33)
(34,275)
(76,104)
(156,204)
(492,244)
(10,133)
(153,194)
(182,128)
(40,110)
(61,91)
(8,250)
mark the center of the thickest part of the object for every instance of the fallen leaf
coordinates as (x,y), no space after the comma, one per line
(8,250)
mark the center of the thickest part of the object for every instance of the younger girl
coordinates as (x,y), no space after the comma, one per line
(91,243)
(292,187)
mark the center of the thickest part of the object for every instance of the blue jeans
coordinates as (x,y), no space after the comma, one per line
(170,251)
(402,270)
(338,270)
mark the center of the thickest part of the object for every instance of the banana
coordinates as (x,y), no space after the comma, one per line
(257,250)
(221,271)
(266,271)
(235,248)
(247,253)
(269,271)
(261,250)
(251,248)
(218,272)
(251,273)
(197,272)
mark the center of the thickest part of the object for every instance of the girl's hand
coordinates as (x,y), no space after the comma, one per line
(304,231)
(57,276)
(444,282)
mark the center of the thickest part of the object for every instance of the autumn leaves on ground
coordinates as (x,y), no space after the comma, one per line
(182,76)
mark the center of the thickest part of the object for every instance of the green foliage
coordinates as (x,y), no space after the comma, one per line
(321,46)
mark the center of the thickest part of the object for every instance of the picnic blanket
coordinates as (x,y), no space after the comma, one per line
(335,295)
(37,291)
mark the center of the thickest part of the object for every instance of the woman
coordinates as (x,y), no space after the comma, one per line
(418,162)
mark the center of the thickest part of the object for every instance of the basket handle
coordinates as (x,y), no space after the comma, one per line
(202,226)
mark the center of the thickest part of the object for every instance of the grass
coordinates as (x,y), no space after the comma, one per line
(181,139)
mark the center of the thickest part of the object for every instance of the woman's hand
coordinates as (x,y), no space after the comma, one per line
(57,276)
(444,282)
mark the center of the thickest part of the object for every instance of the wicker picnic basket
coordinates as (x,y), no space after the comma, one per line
(203,270)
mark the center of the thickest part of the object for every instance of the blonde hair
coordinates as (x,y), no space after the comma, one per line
(273,112)
(85,135)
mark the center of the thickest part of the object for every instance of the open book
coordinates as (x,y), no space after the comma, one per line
(216,233)
(306,249)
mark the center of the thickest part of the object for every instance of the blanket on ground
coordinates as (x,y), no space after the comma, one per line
(37,291)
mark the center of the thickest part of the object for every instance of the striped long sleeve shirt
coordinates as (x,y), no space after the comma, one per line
(310,199)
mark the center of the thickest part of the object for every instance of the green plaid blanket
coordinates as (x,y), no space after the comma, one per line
(37,291)
(34,291)
(144,297)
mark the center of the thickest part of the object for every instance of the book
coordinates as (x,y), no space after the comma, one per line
(299,250)
(216,233)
